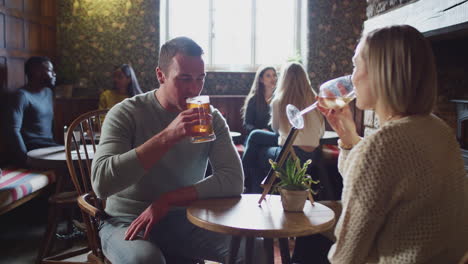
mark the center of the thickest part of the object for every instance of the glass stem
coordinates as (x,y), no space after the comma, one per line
(309,108)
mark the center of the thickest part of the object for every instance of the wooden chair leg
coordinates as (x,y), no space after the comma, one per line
(49,236)
(284,250)
(233,249)
(70,225)
(269,253)
(249,250)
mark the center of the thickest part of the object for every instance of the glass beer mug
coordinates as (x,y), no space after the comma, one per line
(206,128)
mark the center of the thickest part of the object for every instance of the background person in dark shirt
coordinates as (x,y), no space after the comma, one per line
(256,116)
(256,109)
(28,113)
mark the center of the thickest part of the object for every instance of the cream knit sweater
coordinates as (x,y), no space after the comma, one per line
(404,196)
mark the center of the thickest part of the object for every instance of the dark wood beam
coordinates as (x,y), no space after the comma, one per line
(431,17)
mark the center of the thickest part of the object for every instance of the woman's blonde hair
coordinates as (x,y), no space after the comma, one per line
(401,69)
(258,89)
(293,88)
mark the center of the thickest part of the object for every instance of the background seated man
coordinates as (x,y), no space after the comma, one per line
(27,114)
(148,169)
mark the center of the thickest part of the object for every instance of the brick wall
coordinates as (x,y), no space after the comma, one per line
(450,51)
(452,63)
(376,7)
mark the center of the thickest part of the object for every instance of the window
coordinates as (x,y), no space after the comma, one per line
(237,35)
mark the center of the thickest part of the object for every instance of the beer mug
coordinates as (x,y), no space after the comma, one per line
(202,102)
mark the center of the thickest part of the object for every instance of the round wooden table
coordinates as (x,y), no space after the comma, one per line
(244,217)
(49,157)
(53,157)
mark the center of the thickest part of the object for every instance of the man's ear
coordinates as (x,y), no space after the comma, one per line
(160,75)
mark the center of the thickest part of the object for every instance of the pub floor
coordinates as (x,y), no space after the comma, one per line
(21,232)
(22,229)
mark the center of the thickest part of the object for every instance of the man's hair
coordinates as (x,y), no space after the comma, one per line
(182,45)
(33,62)
(401,68)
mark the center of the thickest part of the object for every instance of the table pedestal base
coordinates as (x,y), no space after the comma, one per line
(268,247)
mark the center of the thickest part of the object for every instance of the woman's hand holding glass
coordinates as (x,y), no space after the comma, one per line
(341,120)
(333,94)
(332,102)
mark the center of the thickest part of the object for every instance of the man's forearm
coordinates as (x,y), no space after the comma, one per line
(181,197)
(152,150)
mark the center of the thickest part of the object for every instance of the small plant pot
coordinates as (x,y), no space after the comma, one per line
(293,201)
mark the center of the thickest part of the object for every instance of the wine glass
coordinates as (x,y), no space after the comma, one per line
(333,94)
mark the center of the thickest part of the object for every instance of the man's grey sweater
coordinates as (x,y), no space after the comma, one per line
(118,175)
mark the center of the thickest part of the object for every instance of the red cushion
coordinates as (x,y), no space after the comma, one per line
(240,149)
(330,152)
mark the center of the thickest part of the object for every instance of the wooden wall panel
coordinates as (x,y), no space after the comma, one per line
(14,33)
(67,109)
(3,73)
(15,73)
(230,106)
(2,30)
(49,8)
(33,33)
(32,7)
(27,28)
(48,41)
(14,4)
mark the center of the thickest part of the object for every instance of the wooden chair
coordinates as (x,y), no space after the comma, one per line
(83,131)
(80,145)
(81,142)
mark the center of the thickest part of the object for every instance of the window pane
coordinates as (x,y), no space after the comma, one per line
(275,31)
(189,18)
(232,32)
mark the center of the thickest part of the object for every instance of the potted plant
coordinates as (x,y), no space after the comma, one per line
(294,183)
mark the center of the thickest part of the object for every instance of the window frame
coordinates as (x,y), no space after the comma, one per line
(299,39)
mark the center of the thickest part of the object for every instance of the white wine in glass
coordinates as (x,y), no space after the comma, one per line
(333,94)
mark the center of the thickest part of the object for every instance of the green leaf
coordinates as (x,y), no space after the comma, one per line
(292,175)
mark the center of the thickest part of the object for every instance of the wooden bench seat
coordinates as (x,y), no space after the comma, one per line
(18,186)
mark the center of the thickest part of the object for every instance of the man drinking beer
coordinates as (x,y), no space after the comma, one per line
(147,168)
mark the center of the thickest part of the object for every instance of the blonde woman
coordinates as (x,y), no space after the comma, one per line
(293,88)
(404,197)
